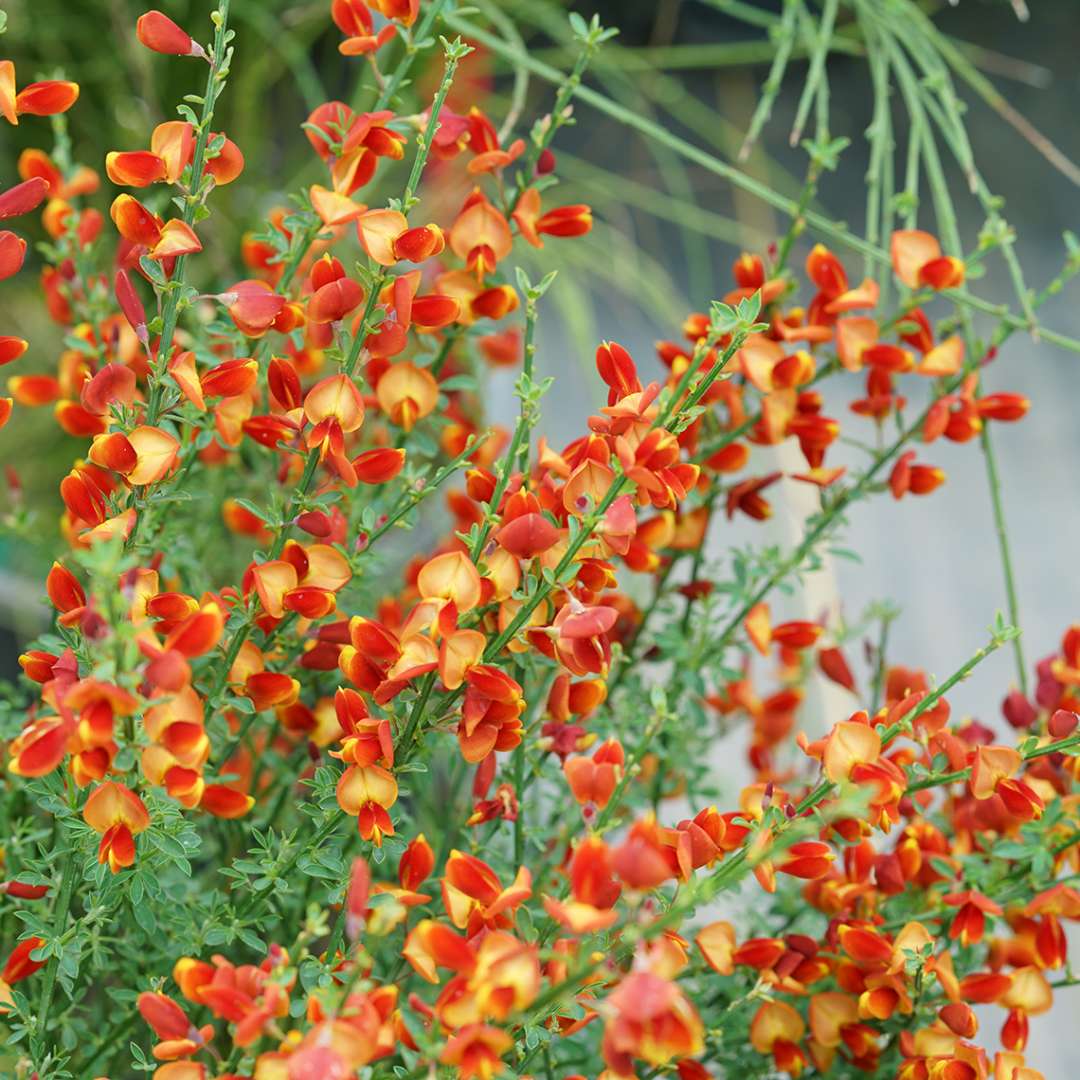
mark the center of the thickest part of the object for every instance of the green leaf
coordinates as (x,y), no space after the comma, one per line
(153,270)
(252,508)
(169,845)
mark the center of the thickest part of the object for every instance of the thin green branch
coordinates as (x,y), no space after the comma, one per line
(215,82)
(950,777)
(817,83)
(60,917)
(783,43)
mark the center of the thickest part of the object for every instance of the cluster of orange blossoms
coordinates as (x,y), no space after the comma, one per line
(508,635)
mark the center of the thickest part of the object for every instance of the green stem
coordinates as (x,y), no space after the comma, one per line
(948,121)
(630,645)
(519,821)
(519,443)
(405,745)
(699,557)
(781,48)
(389,90)
(617,487)
(879,667)
(816,85)
(671,413)
(336,936)
(404,66)
(170,314)
(654,726)
(362,328)
(798,222)
(424,142)
(408,201)
(570,84)
(1005,549)
(310,465)
(60,916)
(938,779)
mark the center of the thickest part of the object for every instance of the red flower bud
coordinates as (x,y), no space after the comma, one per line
(160,34)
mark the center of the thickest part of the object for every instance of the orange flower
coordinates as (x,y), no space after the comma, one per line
(160,239)
(119,815)
(36,99)
(354,20)
(917,261)
(431,945)
(336,408)
(490,713)
(807,859)
(379,231)
(480,235)
(20,964)
(593,780)
(505,980)
(40,746)
(476,1050)
(906,476)
(407,394)
(12,254)
(593,890)
(450,579)
(717,944)
(416,863)
(651,1021)
(179,1037)
(993,773)
(224,802)
(367,792)
(527,535)
(777,1029)
(22,198)
(474,897)
(970,920)
(562,221)
(172,146)
(850,743)
(36,164)
(642,860)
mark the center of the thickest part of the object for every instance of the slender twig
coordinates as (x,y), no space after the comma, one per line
(60,917)
(783,44)
(215,82)
(939,779)
(816,85)
(518,453)
(879,665)
(253,899)
(518,764)
(629,647)
(951,234)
